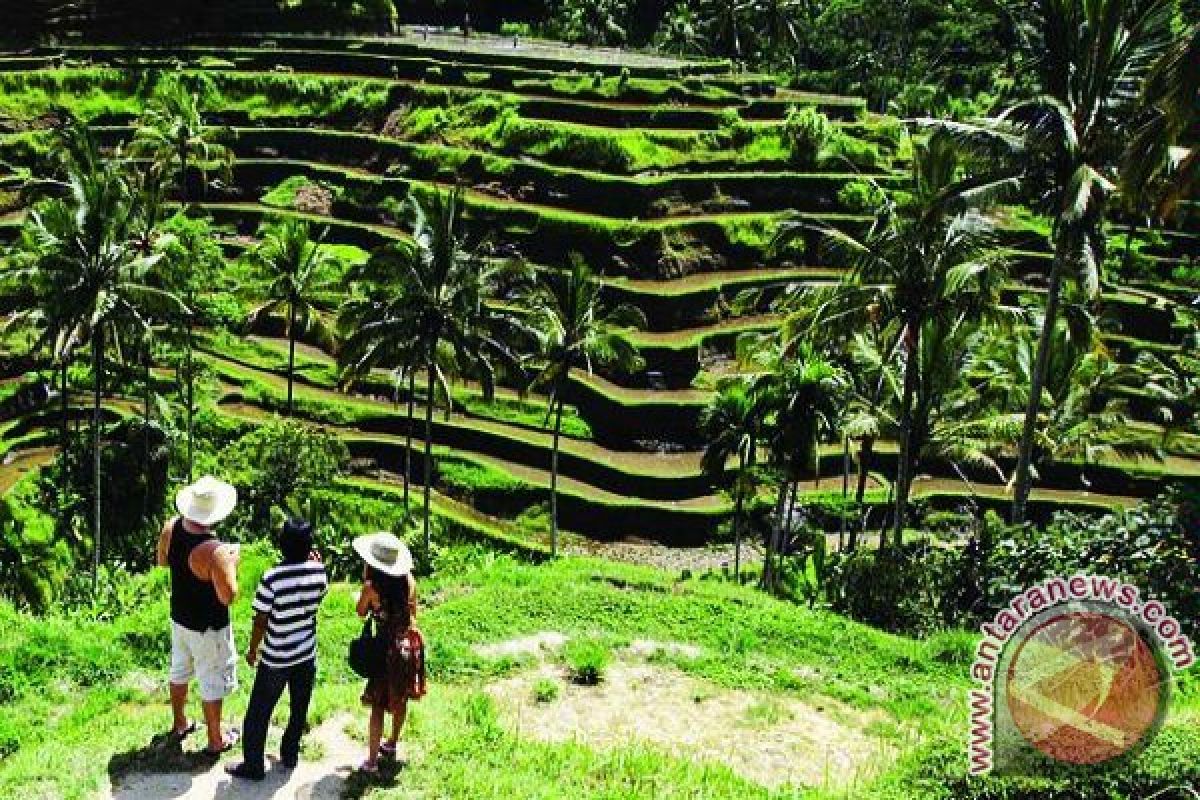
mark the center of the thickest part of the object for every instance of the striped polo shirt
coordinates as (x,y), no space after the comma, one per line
(289,595)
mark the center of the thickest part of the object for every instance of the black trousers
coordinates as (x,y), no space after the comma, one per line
(268,688)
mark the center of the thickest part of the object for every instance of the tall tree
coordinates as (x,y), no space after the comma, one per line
(90,273)
(299,274)
(578,331)
(1090,59)
(732,428)
(173,135)
(449,303)
(927,257)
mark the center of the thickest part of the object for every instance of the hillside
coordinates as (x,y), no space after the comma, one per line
(709,691)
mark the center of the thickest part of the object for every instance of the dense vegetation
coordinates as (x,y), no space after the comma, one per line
(476,291)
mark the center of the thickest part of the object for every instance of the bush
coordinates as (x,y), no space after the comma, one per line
(843,149)
(806,132)
(859,196)
(545,690)
(587,660)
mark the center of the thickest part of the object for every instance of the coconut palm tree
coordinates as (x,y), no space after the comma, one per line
(298,270)
(91,277)
(173,135)
(732,425)
(930,257)
(578,331)
(1090,60)
(1170,104)
(450,306)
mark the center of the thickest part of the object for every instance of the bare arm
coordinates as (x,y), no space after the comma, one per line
(224,573)
(412,597)
(367,599)
(256,636)
(164,542)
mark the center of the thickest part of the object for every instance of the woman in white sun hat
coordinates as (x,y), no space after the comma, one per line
(389,594)
(203,586)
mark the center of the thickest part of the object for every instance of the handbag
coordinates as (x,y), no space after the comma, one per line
(368,653)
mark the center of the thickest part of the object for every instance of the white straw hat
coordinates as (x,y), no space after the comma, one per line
(207,501)
(385,552)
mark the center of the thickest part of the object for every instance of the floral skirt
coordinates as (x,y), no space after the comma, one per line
(405,677)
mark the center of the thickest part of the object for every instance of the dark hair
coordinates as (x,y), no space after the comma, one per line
(392,589)
(296,540)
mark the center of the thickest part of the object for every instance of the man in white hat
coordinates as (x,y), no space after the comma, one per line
(203,586)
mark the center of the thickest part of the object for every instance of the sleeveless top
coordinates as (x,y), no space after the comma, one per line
(194,603)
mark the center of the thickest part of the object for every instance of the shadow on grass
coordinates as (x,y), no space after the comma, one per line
(359,783)
(164,754)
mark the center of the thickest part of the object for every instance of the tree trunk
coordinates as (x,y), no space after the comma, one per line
(97,381)
(866,446)
(146,398)
(739,499)
(1021,479)
(1128,254)
(845,492)
(558,409)
(408,429)
(904,467)
(291,408)
(781,506)
(428,450)
(189,366)
(64,435)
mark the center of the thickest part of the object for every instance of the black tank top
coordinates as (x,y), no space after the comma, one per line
(194,603)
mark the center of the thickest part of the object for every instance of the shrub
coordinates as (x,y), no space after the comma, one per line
(587,660)
(860,196)
(857,153)
(806,132)
(545,690)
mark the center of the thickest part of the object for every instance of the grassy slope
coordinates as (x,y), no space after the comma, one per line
(94,688)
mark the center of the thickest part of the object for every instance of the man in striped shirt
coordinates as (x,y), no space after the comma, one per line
(283,646)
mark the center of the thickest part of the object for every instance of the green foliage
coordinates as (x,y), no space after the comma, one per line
(587,660)
(272,463)
(546,690)
(860,196)
(806,133)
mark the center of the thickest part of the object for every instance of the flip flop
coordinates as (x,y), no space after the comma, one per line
(231,740)
(368,768)
(179,736)
(387,750)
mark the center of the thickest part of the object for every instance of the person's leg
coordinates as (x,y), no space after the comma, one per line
(216,672)
(301,679)
(181,672)
(374,734)
(268,686)
(399,714)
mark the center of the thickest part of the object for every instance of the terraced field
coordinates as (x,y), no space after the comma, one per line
(671,175)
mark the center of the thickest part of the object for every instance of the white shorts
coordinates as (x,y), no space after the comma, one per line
(209,657)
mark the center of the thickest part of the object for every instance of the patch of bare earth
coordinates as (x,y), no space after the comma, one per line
(767,739)
(537,644)
(324,778)
(673,559)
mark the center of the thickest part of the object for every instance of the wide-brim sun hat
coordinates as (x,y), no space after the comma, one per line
(385,552)
(207,501)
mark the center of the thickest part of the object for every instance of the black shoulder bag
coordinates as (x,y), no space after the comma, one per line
(368,653)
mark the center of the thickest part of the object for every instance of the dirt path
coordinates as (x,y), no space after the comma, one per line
(322,777)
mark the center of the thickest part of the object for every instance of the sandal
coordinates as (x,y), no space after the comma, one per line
(388,750)
(369,768)
(176,737)
(230,741)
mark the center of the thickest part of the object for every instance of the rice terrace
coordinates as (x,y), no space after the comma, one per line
(599,399)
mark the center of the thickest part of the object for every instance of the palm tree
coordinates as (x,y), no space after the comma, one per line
(930,257)
(802,398)
(377,331)
(732,427)
(1171,107)
(91,277)
(449,305)
(578,331)
(299,270)
(1090,60)
(173,135)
